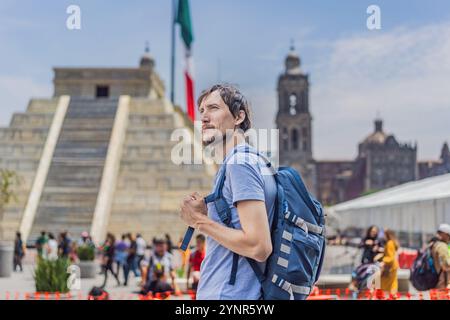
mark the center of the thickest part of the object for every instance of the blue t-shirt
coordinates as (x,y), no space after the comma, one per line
(247,178)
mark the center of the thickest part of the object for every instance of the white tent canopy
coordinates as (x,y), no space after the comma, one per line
(413,207)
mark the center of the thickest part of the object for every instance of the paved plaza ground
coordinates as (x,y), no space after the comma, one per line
(21,284)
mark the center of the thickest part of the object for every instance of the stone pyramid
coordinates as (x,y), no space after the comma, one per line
(97,157)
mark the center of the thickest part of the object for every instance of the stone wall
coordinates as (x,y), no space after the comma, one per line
(21,145)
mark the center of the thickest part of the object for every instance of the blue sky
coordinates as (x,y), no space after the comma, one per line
(401,71)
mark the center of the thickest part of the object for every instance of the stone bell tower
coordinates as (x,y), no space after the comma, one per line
(294,120)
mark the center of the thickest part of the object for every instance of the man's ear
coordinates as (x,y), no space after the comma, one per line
(240,118)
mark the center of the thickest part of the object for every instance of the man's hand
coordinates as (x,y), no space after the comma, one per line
(193,209)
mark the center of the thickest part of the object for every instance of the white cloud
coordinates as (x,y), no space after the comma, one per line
(403,74)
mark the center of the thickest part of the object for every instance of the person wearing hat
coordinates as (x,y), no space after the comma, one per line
(441,258)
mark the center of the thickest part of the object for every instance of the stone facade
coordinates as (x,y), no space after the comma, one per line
(388,163)
(21,145)
(148,186)
(89,82)
(436,167)
(382,161)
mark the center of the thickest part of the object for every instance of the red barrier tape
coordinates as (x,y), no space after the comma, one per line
(435,294)
(316,294)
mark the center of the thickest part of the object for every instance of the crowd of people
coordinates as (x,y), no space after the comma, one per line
(153,264)
(380,253)
(155,268)
(50,247)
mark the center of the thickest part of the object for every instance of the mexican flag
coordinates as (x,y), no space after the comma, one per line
(183,18)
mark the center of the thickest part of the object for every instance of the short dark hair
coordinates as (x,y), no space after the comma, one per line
(233,98)
(200,237)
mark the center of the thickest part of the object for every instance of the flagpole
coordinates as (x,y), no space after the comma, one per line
(172,71)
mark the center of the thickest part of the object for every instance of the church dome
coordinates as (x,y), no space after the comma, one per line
(378,136)
(292,62)
(147,60)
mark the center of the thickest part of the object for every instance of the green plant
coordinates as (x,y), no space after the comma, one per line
(8,179)
(86,253)
(51,275)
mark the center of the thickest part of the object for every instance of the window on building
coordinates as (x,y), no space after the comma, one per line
(305,146)
(102,92)
(285,138)
(292,104)
(294,139)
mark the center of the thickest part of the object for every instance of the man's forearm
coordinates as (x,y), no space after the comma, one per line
(232,239)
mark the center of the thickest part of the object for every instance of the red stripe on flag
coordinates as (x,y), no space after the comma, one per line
(190,96)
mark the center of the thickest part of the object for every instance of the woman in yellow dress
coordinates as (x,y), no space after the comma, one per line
(389,264)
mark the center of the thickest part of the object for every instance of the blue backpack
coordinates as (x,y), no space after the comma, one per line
(298,237)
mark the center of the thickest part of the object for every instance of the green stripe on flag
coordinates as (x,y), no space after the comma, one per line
(184,19)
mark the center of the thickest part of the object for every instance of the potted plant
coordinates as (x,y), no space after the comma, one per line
(50,278)
(8,179)
(86,256)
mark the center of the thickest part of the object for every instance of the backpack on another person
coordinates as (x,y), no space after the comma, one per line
(423,273)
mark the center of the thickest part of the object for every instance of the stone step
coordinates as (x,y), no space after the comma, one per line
(83,123)
(42,105)
(149,136)
(157,164)
(68,190)
(100,135)
(147,107)
(83,153)
(75,167)
(70,161)
(17,154)
(19,148)
(135,141)
(23,134)
(86,182)
(151,130)
(68,172)
(28,120)
(71,189)
(152,121)
(74,202)
(87,102)
(81,144)
(62,173)
(22,165)
(92,108)
(57,197)
(63,210)
(89,115)
(24,144)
